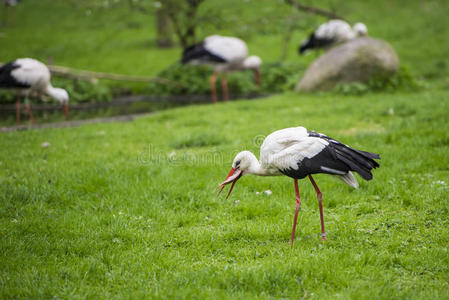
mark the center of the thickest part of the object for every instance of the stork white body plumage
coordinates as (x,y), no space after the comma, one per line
(28,76)
(224,54)
(299,153)
(331,33)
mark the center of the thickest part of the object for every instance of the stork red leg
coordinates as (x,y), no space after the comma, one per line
(319,196)
(66,111)
(18,111)
(213,88)
(224,87)
(30,114)
(257,77)
(297,207)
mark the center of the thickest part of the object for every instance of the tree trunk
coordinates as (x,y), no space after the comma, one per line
(164,29)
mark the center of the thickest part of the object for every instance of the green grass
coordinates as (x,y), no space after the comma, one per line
(121,40)
(129,210)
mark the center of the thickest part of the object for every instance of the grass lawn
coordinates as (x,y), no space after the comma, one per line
(129,210)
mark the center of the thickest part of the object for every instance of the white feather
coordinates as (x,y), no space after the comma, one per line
(349,179)
(283,149)
(340,31)
(337,30)
(229,48)
(32,72)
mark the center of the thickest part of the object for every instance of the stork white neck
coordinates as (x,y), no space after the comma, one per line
(255,167)
(249,164)
(58,94)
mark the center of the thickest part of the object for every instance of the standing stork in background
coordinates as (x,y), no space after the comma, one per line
(27,76)
(224,54)
(298,153)
(331,33)
(9,4)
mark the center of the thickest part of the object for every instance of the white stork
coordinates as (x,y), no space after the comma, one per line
(332,32)
(224,54)
(9,4)
(297,153)
(27,76)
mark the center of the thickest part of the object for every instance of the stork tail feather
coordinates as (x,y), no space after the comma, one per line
(349,179)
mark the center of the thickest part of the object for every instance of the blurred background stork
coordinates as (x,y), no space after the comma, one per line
(224,54)
(331,33)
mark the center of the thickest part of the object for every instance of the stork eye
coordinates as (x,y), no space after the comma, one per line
(237,163)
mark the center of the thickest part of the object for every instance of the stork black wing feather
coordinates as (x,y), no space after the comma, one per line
(199,52)
(366,154)
(314,42)
(359,161)
(6,78)
(359,158)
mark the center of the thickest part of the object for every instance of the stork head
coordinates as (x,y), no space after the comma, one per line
(253,63)
(360,29)
(58,94)
(61,96)
(242,164)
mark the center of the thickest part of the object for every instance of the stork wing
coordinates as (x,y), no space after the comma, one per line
(31,72)
(200,53)
(284,149)
(229,48)
(296,151)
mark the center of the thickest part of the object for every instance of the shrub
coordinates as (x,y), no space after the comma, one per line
(194,80)
(85,91)
(402,80)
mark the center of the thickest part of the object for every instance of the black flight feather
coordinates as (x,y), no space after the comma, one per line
(199,52)
(314,42)
(6,78)
(337,159)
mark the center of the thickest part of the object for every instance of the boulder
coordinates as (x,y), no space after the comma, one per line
(357,60)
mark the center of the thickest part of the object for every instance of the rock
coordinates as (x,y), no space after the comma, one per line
(357,60)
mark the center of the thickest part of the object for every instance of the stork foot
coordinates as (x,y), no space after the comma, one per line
(324,237)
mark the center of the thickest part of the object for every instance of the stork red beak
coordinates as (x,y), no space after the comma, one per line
(233,176)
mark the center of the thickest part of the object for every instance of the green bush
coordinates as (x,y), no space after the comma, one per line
(85,91)
(402,80)
(194,80)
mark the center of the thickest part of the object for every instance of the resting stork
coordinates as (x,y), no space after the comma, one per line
(298,153)
(27,76)
(224,54)
(331,33)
